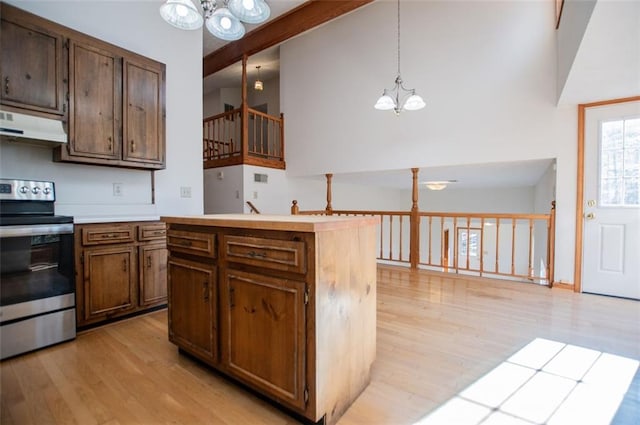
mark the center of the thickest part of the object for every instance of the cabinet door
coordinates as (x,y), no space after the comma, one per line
(143,124)
(31,65)
(192,307)
(263,338)
(153,274)
(95,107)
(109,282)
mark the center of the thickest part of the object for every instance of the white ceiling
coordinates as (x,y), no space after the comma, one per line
(494,175)
(269,59)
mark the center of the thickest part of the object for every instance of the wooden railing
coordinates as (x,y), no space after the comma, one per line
(252,208)
(224,145)
(508,246)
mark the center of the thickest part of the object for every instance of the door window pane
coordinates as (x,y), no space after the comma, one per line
(620,163)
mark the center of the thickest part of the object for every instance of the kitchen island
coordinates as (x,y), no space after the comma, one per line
(283,304)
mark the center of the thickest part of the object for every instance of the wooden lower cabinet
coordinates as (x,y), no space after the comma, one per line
(109,282)
(121,269)
(264,329)
(295,313)
(192,309)
(152,260)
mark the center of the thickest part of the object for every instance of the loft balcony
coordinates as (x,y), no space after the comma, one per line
(243,136)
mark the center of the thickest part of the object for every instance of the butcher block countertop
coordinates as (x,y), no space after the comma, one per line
(300,223)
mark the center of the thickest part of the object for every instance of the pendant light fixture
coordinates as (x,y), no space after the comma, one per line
(258,83)
(399,98)
(221,17)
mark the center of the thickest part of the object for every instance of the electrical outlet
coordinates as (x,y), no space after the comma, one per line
(237,194)
(255,194)
(185,191)
(117,189)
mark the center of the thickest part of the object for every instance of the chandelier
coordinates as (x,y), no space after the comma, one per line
(399,98)
(258,85)
(223,18)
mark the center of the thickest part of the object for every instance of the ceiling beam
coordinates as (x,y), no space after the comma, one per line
(304,17)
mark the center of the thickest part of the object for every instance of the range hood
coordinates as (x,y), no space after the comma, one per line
(22,128)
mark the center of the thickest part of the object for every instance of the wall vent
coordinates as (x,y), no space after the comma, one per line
(260,178)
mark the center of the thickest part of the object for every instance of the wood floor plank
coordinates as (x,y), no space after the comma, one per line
(436,334)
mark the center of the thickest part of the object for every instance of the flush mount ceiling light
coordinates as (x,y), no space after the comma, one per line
(258,84)
(399,98)
(438,184)
(222,18)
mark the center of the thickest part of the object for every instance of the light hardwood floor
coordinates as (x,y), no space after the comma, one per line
(437,334)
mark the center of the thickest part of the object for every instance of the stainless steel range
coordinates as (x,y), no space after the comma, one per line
(37,289)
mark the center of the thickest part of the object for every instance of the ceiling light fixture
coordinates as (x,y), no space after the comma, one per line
(399,97)
(258,84)
(221,17)
(438,184)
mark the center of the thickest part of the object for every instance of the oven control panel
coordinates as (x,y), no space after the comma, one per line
(26,190)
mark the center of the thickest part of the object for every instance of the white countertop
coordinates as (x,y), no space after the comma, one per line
(274,222)
(86,219)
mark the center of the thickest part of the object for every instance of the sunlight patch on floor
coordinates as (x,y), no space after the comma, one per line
(546,382)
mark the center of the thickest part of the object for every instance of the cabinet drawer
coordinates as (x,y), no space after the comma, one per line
(196,243)
(152,231)
(269,253)
(105,234)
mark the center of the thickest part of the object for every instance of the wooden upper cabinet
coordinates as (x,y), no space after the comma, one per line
(31,64)
(143,125)
(94,108)
(117,103)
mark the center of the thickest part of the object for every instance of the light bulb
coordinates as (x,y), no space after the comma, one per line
(248,4)
(225,22)
(181,10)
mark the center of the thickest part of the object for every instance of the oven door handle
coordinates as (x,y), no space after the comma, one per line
(35,230)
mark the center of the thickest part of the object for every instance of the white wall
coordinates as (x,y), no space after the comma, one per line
(575,18)
(481,200)
(211,104)
(224,192)
(87,190)
(487,71)
(269,95)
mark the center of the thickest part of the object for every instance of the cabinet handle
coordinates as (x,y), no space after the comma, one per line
(184,243)
(232,298)
(149,262)
(205,290)
(107,236)
(159,232)
(254,254)
(133,146)
(124,265)
(6,85)
(110,143)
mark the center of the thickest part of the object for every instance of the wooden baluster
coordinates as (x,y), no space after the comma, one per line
(390,237)
(244,138)
(468,240)
(281,139)
(481,245)
(513,246)
(329,208)
(381,227)
(400,254)
(414,241)
(551,244)
(430,231)
(497,243)
(442,246)
(531,273)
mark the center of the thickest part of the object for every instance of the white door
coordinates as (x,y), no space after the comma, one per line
(611,244)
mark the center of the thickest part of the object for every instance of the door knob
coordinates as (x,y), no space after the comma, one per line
(590,216)
(591,203)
